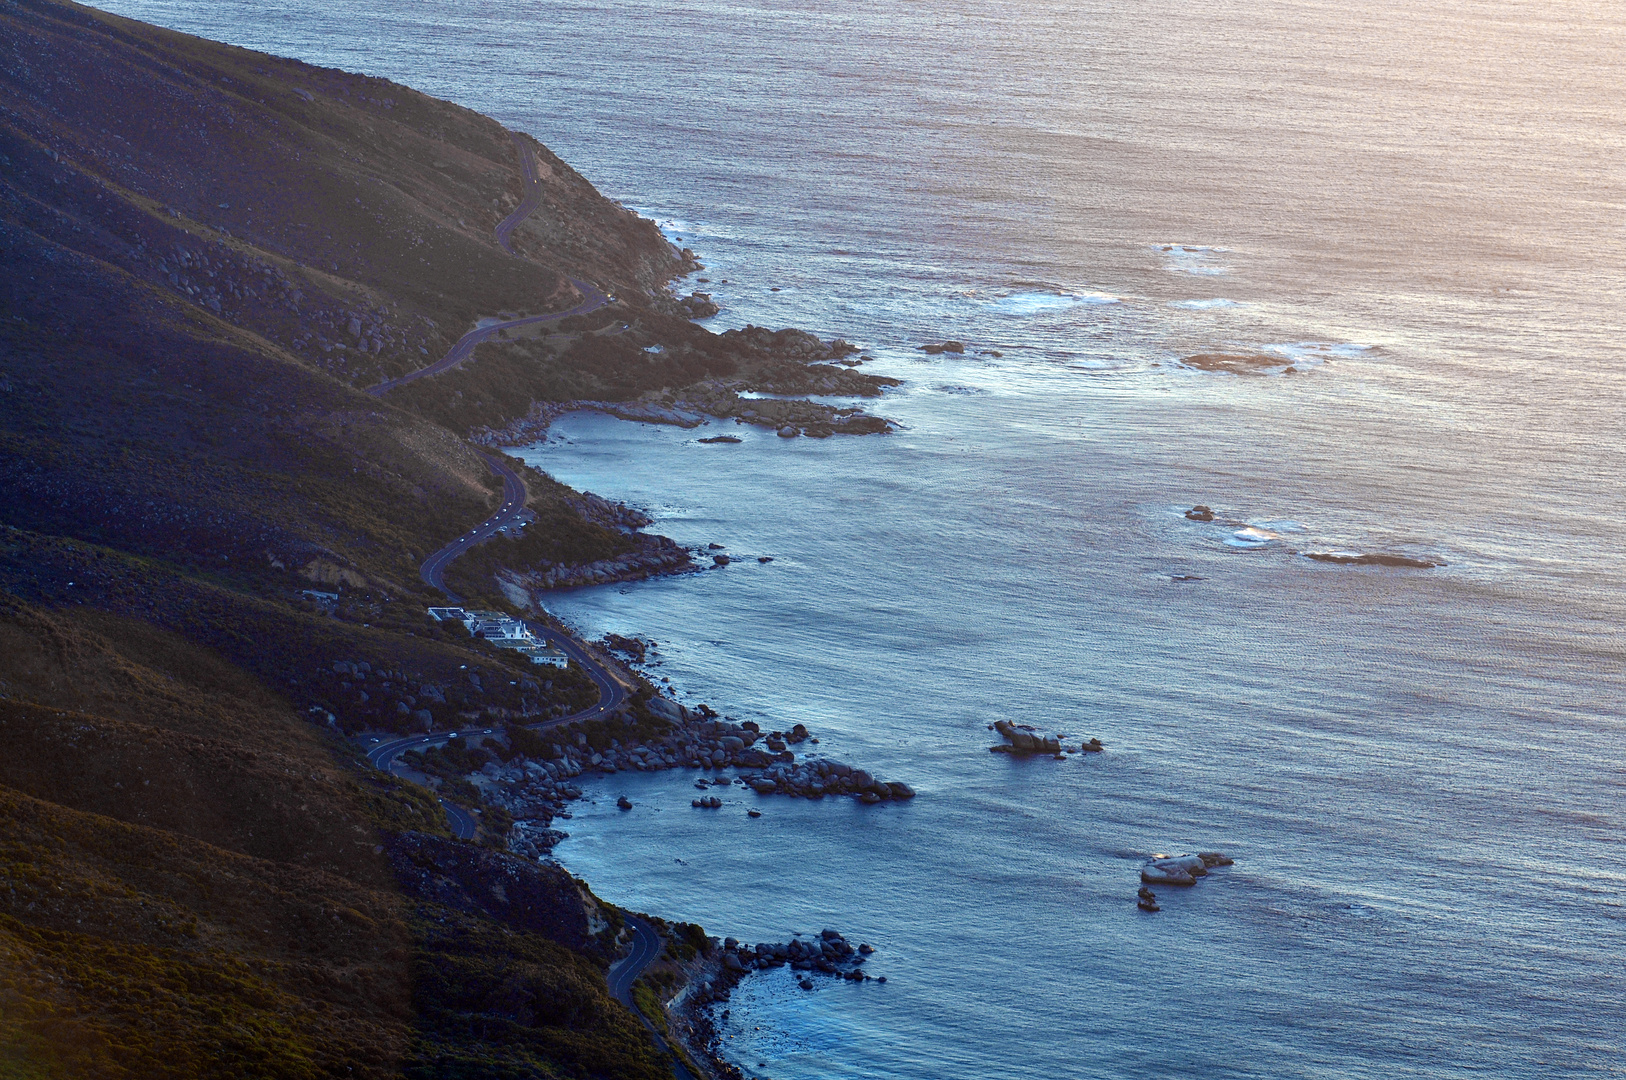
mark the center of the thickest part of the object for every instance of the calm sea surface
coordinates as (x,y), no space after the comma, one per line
(1420,773)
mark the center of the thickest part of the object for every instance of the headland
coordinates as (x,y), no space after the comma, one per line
(263,325)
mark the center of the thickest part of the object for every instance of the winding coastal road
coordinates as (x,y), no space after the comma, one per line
(514,497)
(592,297)
(646,946)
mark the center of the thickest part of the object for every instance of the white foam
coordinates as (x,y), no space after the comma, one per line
(1044,303)
(1252,537)
(1197,259)
(1311,353)
(1205,305)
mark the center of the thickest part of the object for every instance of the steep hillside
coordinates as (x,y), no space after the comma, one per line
(192,885)
(210,537)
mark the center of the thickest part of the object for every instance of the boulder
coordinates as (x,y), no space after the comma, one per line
(1200,513)
(669,710)
(1152,874)
(1177,869)
(901,790)
(731,962)
(787,432)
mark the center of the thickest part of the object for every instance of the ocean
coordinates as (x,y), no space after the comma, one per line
(1420,772)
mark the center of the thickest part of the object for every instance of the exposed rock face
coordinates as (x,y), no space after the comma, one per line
(816,778)
(655,555)
(1024,740)
(1181,869)
(699,305)
(521,893)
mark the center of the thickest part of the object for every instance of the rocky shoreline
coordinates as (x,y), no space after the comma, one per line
(699,1009)
(803,365)
(531,777)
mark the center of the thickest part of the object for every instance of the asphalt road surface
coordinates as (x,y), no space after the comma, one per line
(533,192)
(646,947)
(592,298)
(513,501)
(646,942)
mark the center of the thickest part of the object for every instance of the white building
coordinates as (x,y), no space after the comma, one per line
(503,631)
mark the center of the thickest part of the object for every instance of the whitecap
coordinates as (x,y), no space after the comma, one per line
(1194,258)
(1206,305)
(1044,303)
(1311,353)
(1252,537)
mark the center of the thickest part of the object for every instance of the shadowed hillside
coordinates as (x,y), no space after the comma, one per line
(209,547)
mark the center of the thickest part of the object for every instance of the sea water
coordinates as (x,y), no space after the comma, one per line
(1420,208)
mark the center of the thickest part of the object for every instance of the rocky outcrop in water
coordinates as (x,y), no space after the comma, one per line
(1181,869)
(1024,739)
(699,305)
(814,779)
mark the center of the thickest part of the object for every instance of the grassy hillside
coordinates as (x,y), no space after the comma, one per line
(209,549)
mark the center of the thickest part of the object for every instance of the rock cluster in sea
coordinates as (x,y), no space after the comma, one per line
(1181,869)
(1256,536)
(829,953)
(814,779)
(536,789)
(1023,739)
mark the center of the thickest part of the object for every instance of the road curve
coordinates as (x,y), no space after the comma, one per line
(533,192)
(514,495)
(592,298)
(646,947)
(462,823)
(646,942)
(610,692)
